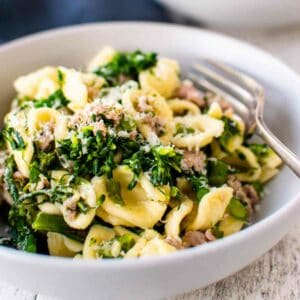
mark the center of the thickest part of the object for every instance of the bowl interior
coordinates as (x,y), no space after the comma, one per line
(74,47)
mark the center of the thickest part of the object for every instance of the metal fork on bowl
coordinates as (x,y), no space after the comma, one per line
(247,97)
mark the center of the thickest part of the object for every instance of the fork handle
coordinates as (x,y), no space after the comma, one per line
(290,158)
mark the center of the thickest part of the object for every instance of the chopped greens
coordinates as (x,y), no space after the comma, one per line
(56,100)
(9,180)
(166,161)
(14,138)
(115,247)
(182,130)
(217,172)
(199,186)
(260,150)
(56,223)
(114,191)
(126,64)
(231,130)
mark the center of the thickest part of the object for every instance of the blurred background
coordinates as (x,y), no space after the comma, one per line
(270,24)
(21,17)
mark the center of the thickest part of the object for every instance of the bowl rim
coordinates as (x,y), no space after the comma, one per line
(186,254)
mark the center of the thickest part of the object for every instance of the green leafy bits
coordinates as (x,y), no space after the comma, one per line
(126,64)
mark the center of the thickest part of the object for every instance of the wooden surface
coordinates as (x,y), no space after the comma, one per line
(276,275)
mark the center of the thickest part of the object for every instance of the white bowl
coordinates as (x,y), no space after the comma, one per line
(237,13)
(157,277)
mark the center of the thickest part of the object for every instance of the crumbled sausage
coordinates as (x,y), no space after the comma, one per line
(245,193)
(45,136)
(71,205)
(42,183)
(209,235)
(251,193)
(175,242)
(188,91)
(193,238)
(18,175)
(193,160)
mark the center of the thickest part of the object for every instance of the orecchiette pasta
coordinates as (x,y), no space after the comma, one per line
(38,118)
(229,225)
(154,117)
(204,128)
(175,217)
(163,78)
(24,157)
(74,89)
(211,208)
(39,84)
(60,245)
(144,205)
(81,220)
(104,56)
(96,235)
(183,107)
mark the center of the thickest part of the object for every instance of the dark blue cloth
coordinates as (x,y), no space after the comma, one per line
(21,17)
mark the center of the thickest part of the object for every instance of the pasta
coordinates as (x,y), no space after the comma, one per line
(125,160)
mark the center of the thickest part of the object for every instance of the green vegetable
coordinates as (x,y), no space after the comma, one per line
(237,210)
(135,164)
(217,172)
(127,241)
(90,153)
(56,100)
(200,186)
(127,64)
(115,247)
(82,206)
(231,130)
(100,200)
(182,130)
(58,194)
(165,161)
(9,180)
(23,237)
(14,138)
(20,214)
(41,163)
(114,191)
(56,223)
(260,150)
(61,77)
(127,124)
(217,232)
(258,186)
(34,172)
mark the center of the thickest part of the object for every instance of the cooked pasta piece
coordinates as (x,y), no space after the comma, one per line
(39,84)
(60,245)
(163,78)
(104,56)
(211,208)
(143,206)
(198,131)
(96,235)
(183,107)
(176,216)
(154,117)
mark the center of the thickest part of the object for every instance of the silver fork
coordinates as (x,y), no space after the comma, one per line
(247,97)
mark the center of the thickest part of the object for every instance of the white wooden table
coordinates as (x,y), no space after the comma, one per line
(276,275)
